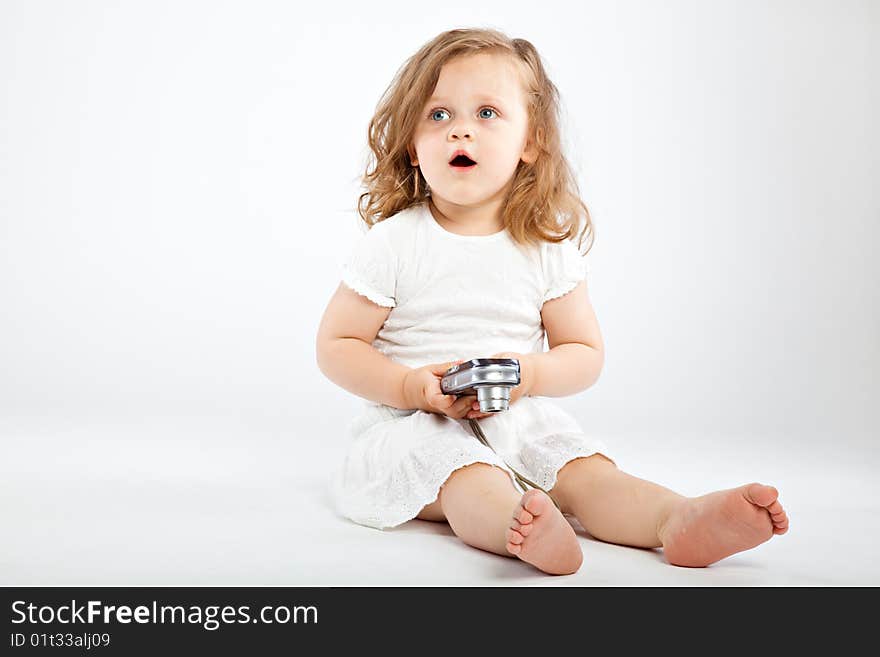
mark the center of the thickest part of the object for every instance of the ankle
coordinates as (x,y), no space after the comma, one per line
(666,513)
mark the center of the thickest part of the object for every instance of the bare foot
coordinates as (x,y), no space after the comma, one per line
(702,530)
(540,535)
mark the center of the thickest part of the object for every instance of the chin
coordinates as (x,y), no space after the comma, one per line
(471,197)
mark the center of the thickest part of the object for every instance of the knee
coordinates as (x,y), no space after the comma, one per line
(575,472)
(474,471)
(432,512)
(473,478)
(593,463)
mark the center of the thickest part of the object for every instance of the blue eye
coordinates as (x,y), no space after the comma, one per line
(436,111)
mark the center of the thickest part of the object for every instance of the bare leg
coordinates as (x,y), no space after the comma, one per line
(619,508)
(612,505)
(486,511)
(478,501)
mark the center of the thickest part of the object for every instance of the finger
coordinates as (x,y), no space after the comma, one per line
(461,406)
(441,368)
(440,401)
(473,411)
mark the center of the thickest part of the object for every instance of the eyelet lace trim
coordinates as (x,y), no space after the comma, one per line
(416,480)
(406,494)
(545,457)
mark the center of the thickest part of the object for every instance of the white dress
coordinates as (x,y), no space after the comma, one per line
(453,297)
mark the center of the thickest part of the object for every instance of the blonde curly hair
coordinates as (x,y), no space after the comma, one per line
(543,204)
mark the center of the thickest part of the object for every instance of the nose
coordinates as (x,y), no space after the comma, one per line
(461,130)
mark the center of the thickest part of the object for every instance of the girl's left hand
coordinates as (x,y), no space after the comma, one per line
(522,390)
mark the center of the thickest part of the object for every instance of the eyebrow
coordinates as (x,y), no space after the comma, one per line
(489,99)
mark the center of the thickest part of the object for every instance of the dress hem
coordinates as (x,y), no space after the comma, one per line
(413,510)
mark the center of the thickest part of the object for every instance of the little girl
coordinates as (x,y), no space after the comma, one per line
(471,208)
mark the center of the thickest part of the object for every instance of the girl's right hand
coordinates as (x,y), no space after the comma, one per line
(421,389)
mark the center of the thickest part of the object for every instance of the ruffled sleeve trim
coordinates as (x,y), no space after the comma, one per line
(371,269)
(365,290)
(564,268)
(561,289)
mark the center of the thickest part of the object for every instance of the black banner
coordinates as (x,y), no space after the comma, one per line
(264,620)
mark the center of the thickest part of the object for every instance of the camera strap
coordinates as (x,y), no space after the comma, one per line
(521,480)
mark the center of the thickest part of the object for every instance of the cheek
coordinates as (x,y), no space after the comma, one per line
(429,147)
(503,149)
(504,160)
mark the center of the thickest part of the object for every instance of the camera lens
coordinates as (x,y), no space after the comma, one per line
(493,398)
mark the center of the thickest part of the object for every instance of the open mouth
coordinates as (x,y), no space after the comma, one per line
(462,162)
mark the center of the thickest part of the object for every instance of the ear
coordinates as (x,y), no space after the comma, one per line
(530,151)
(413,158)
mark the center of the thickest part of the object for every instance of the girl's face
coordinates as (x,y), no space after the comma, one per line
(478,106)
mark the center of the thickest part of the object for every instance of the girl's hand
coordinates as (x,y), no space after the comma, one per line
(522,390)
(421,389)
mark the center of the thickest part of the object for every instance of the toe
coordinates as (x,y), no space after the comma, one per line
(522,516)
(521,528)
(514,537)
(780,524)
(535,502)
(778,517)
(775,508)
(761,495)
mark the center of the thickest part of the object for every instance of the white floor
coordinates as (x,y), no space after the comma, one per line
(235,502)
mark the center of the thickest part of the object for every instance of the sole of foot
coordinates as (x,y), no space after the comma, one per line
(541,536)
(703,530)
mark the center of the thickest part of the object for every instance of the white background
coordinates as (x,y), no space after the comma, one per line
(178,183)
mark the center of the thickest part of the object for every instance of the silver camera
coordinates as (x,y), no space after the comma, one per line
(490,378)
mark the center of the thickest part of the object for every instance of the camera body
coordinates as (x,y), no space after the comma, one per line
(491,379)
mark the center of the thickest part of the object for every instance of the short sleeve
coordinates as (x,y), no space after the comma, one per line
(564,267)
(371,268)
